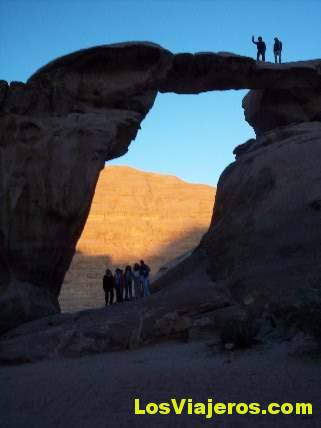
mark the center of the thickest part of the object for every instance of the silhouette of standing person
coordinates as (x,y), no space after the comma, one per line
(261,48)
(108,285)
(119,285)
(137,282)
(144,274)
(277,50)
(128,276)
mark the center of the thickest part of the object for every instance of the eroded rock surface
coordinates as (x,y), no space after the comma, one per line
(55,135)
(269,109)
(264,240)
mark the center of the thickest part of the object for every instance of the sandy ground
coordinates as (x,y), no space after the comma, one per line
(98,391)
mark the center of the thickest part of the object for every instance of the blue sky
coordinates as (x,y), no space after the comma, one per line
(191,136)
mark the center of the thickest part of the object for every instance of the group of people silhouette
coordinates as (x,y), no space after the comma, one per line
(121,283)
(261,49)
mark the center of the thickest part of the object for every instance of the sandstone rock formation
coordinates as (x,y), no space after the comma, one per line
(269,109)
(264,240)
(58,129)
(134,215)
(56,133)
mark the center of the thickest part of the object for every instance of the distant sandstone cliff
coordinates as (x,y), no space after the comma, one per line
(135,215)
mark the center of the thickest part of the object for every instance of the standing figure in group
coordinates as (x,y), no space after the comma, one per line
(108,285)
(119,285)
(137,282)
(144,276)
(277,50)
(128,283)
(261,48)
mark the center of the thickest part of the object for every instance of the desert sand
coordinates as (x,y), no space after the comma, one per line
(98,391)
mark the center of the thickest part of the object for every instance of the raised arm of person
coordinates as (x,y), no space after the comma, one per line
(253,41)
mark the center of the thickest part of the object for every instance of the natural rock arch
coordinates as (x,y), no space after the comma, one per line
(58,129)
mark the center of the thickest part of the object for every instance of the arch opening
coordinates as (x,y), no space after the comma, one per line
(185,136)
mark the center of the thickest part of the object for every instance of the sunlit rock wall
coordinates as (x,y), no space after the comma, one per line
(135,215)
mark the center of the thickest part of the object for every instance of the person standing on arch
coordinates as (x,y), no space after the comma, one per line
(261,48)
(277,50)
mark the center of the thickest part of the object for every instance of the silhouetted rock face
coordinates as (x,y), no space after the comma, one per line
(140,67)
(264,240)
(135,215)
(57,131)
(268,109)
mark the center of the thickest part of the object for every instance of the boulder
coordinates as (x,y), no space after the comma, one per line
(23,302)
(268,109)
